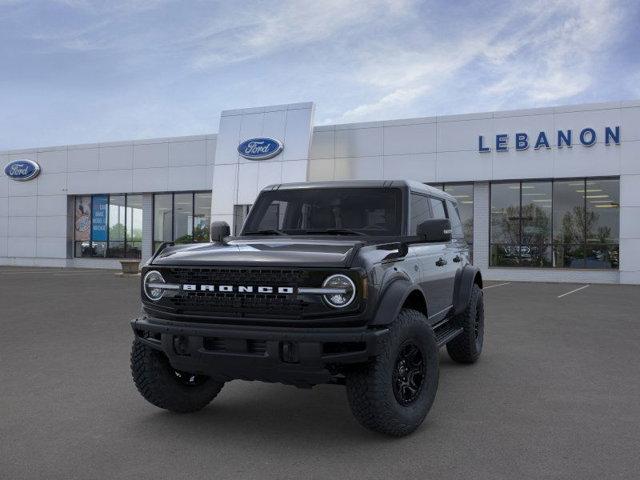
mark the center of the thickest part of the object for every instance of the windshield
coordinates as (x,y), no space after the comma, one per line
(328,211)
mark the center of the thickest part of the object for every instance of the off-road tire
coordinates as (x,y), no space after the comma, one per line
(467,347)
(158,383)
(370,388)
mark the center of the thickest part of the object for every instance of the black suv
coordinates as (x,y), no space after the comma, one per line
(351,283)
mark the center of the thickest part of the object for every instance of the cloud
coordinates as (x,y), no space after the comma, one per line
(255,33)
(541,53)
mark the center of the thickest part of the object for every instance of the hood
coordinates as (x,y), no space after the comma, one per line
(263,252)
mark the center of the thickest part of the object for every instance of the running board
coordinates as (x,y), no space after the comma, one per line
(446,333)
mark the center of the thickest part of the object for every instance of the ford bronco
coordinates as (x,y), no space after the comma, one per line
(354,283)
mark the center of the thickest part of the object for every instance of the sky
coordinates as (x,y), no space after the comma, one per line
(80,71)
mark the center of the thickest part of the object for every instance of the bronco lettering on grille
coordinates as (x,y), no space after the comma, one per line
(190,287)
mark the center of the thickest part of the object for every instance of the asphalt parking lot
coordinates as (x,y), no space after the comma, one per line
(555,395)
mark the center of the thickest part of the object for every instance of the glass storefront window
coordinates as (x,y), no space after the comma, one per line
(181,217)
(505,224)
(162,219)
(535,243)
(134,226)
(117,220)
(201,216)
(563,224)
(108,226)
(463,193)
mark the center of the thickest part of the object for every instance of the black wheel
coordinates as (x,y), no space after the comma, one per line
(168,388)
(394,392)
(467,347)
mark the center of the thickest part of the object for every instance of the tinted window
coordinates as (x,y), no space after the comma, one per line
(371,211)
(420,212)
(456,224)
(437,207)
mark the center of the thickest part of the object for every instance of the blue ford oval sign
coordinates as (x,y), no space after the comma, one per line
(260,148)
(22,170)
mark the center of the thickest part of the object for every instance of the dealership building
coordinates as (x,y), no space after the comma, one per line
(548,194)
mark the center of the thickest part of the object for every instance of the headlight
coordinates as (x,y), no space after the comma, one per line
(151,285)
(342,293)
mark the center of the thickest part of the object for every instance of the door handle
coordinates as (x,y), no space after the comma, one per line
(457,258)
(441,262)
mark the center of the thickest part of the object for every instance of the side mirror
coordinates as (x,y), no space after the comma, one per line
(219,230)
(435,230)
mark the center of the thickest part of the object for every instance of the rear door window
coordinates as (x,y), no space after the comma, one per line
(420,211)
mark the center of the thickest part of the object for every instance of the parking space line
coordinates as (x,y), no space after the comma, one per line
(497,285)
(573,291)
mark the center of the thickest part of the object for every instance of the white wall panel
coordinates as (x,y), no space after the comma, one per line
(581,161)
(361,168)
(321,170)
(51,247)
(528,163)
(224,190)
(22,206)
(273,125)
(84,182)
(150,180)
(52,161)
(358,142)
(630,124)
(83,159)
(21,246)
(115,181)
(188,153)
(420,167)
(52,183)
(22,189)
(247,183)
(188,178)
(151,155)
(630,157)
(294,171)
(52,226)
(51,205)
(297,136)
(269,174)
(420,138)
(322,144)
(630,191)
(22,227)
(228,139)
(463,135)
(463,166)
(118,157)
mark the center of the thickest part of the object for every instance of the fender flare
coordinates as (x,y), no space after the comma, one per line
(392,299)
(465,278)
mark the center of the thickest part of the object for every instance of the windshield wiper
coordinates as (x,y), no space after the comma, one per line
(336,231)
(266,232)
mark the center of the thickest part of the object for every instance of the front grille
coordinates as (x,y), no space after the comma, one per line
(244,304)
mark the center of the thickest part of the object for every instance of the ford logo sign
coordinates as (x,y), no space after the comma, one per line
(22,170)
(260,148)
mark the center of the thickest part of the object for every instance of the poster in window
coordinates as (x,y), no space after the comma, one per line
(83,219)
(99,214)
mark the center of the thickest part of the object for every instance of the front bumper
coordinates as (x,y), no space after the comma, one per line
(302,357)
